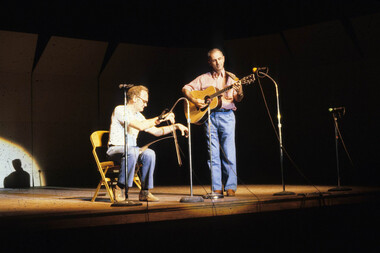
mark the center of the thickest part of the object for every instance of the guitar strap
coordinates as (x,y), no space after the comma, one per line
(233,76)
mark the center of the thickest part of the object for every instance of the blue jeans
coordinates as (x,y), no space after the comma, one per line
(223,149)
(147,159)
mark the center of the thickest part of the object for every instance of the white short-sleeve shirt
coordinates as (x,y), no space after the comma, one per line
(116,137)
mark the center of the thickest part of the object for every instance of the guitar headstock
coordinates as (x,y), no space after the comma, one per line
(248,79)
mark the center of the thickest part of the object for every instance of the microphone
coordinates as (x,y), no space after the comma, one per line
(335,109)
(161,117)
(125,86)
(338,111)
(256,69)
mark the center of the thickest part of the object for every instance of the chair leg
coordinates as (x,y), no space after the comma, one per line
(136,178)
(104,182)
(137,181)
(96,191)
(110,193)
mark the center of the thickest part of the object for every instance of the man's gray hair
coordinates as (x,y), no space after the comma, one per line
(212,51)
(136,91)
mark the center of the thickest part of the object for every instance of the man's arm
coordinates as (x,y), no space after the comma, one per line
(164,130)
(143,125)
(239,95)
(200,103)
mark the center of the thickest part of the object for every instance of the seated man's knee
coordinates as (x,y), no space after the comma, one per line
(149,154)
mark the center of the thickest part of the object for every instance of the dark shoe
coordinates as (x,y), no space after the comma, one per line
(230,193)
(118,194)
(218,192)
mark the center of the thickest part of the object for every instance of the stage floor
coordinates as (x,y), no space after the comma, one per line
(54,219)
(49,208)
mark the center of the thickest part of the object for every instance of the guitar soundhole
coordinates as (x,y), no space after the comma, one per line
(204,108)
(207,101)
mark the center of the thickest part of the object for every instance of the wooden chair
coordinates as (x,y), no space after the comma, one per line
(108,169)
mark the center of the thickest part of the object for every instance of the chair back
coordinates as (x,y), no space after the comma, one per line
(99,138)
(99,141)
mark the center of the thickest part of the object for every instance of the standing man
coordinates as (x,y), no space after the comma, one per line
(222,121)
(137,101)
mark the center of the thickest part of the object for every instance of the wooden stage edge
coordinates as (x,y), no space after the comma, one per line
(49,208)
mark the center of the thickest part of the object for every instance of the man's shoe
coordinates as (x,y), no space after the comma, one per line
(218,192)
(118,194)
(230,193)
(147,196)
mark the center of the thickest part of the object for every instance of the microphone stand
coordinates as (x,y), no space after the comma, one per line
(284,192)
(211,195)
(126,202)
(338,188)
(191,198)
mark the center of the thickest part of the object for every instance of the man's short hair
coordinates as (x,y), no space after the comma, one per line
(212,51)
(136,91)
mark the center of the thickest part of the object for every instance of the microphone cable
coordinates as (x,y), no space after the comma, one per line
(239,179)
(278,139)
(344,145)
(193,172)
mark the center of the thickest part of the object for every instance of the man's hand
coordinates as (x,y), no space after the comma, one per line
(200,103)
(239,91)
(168,117)
(238,87)
(184,130)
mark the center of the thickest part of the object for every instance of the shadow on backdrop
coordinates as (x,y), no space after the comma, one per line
(19,178)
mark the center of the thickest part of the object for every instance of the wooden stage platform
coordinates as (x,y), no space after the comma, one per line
(313,219)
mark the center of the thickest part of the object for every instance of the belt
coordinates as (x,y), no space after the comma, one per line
(222,110)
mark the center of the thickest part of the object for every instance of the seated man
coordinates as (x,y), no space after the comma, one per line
(137,101)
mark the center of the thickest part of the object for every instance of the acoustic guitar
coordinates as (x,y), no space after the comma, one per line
(212,96)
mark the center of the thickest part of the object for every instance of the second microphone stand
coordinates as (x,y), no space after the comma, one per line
(283,192)
(335,115)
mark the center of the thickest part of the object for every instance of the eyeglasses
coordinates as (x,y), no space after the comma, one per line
(143,100)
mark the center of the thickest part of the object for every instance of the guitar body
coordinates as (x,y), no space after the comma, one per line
(198,116)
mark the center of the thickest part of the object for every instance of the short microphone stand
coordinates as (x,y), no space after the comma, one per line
(211,195)
(126,202)
(280,138)
(338,188)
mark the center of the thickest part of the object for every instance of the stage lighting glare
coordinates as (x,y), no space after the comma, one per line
(16,165)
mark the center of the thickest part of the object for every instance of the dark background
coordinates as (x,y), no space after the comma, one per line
(61,63)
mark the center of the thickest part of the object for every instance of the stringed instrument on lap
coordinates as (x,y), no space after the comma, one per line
(199,115)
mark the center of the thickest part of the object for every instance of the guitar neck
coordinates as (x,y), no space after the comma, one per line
(221,91)
(244,80)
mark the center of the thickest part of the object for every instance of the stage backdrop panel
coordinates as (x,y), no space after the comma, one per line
(329,70)
(65,93)
(16,61)
(262,51)
(321,44)
(367,29)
